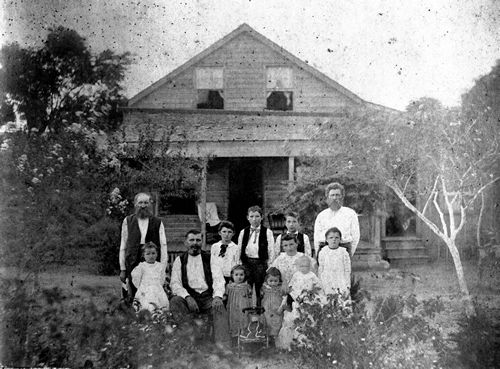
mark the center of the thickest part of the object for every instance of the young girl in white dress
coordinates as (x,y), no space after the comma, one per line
(149,277)
(302,283)
(334,269)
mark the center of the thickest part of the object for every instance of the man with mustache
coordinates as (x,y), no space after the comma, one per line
(336,215)
(138,229)
(194,288)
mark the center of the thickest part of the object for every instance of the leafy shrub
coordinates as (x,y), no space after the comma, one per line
(69,190)
(51,329)
(388,332)
(476,343)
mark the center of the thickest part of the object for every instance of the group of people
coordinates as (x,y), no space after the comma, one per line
(256,271)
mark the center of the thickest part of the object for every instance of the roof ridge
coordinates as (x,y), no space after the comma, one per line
(244,27)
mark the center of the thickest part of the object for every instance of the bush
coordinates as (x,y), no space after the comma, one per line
(50,329)
(476,343)
(388,332)
(68,190)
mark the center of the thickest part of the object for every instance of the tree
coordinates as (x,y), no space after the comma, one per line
(481,108)
(71,189)
(429,156)
(61,83)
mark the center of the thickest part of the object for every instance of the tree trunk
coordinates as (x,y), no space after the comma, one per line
(450,243)
(480,221)
(469,307)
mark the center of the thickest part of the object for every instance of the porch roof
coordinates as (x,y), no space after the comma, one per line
(229,133)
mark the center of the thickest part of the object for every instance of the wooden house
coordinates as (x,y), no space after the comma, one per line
(248,105)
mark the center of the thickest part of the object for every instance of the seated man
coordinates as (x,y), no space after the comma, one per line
(194,289)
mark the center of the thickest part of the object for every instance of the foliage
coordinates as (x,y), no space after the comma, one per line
(53,189)
(62,83)
(389,332)
(68,190)
(436,155)
(152,165)
(476,343)
(307,196)
(52,329)
(480,107)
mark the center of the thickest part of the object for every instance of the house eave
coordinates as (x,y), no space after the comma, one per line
(129,109)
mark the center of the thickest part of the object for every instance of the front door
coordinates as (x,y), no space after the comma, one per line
(245,189)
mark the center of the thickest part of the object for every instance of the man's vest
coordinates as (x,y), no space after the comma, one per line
(205,258)
(133,249)
(300,241)
(263,254)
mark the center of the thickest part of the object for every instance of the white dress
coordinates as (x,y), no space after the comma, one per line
(300,285)
(334,270)
(149,279)
(286,265)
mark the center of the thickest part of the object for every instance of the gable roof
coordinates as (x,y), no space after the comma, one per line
(242,29)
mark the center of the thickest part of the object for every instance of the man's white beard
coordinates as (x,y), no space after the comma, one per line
(143,213)
(336,205)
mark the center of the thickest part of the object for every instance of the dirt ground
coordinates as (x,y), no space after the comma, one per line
(425,281)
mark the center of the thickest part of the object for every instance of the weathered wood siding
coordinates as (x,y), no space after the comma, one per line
(218,186)
(179,93)
(230,134)
(275,173)
(244,60)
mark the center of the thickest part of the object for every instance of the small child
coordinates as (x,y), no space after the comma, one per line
(334,264)
(239,295)
(149,277)
(292,228)
(304,280)
(286,261)
(272,297)
(302,283)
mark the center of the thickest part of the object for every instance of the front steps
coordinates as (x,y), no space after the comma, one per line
(368,257)
(176,227)
(401,251)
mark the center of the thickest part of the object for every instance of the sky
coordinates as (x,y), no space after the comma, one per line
(386,52)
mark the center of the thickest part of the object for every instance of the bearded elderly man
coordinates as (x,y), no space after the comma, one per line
(336,215)
(196,290)
(138,229)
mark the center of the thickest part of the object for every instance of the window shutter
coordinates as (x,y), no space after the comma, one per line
(209,78)
(279,78)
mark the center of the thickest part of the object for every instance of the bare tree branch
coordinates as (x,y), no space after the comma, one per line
(430,195)
(449,206)
(484,187)
(441,216)
(410,206)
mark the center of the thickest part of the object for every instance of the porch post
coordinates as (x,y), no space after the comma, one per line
(291,169)
(203,203)
(157,203)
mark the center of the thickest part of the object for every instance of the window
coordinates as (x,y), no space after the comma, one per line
(209,85)
(279,86)
(400,221)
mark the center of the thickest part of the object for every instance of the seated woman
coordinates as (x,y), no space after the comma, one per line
(285,262)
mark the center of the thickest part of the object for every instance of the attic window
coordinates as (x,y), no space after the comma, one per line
(280,100)
(279,87)
(209,85)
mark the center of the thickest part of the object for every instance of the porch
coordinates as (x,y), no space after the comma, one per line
(250,159)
